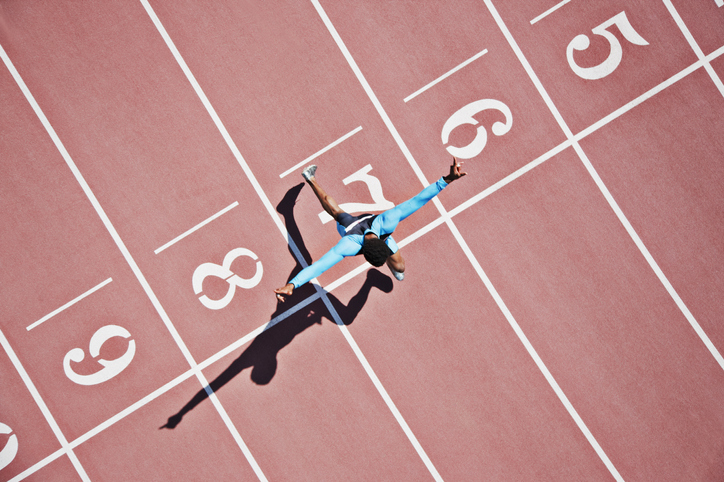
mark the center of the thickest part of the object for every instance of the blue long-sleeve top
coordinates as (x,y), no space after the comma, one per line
(385,223)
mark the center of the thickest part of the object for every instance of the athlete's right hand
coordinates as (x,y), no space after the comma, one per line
(455,172)
(285,290)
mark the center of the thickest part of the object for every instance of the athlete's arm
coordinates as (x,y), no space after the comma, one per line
(345,247)
(389,220)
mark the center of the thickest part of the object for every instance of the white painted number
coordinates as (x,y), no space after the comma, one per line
(111,368)
(10,450)
(224,272)
(581,42)
(465,116)
(375,188)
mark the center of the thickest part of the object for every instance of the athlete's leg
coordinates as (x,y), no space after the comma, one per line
(327,201)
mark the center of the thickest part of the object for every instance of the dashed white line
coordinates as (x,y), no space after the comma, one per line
(446,75)
(320,152)
(69,304)
(197,227)
(548,12)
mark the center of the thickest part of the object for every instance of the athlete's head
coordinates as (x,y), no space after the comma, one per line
(375,251)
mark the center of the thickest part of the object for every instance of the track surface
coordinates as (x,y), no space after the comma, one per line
(561,313)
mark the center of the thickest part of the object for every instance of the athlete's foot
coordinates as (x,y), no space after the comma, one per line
(397,274)
(309,171)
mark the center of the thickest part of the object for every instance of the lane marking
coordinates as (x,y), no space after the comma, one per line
(695,46)
(320,152)
(446,75)
(548,12)
(197,227)
(720,3)
(282,316)
(69,304)
(65,447)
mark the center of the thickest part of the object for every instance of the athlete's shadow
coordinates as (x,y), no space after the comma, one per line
(261,355)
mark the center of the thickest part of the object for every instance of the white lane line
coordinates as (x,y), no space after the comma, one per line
(694,46)
(446,75)
(39,400)
(720,3)
(302,304)
(197,227)
(320,152)
(647,95)
(548,12)
(69,304)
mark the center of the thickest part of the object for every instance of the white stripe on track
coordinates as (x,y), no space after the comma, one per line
(197,227)
(265,200)
(6,345)
(69,304)
(548,12)
(124,251)
(320,152)
(461,241)
(445,75)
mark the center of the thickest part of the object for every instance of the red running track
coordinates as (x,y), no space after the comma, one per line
(560,317)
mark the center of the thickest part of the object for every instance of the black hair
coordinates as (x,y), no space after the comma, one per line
(375,251)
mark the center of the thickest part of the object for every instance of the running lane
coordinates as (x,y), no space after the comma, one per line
(609,332)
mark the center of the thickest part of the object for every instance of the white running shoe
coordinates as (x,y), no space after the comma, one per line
(309,171)
(397,274)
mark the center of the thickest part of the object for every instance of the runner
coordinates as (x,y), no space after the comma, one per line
(366,234)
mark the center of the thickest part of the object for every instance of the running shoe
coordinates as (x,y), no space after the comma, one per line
(309,171)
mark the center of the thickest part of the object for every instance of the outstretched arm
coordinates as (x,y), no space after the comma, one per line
(345,247)
(392,217)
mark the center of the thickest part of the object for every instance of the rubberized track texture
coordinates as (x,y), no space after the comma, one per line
(561,313)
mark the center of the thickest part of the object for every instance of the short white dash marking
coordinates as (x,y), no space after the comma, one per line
(548,12)
(197,227)
(446,75)
(69,304)
(320,152)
